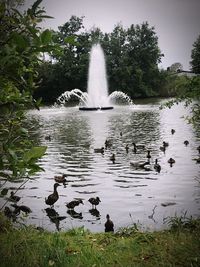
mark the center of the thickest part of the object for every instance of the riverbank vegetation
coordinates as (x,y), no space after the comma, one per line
(32,247)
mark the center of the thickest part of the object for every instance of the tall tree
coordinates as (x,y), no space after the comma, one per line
(195,55)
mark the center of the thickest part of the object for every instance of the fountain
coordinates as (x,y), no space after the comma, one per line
(97,96)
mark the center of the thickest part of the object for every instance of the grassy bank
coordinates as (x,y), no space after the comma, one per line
(179,246)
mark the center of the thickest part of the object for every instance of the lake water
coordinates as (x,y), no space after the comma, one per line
(127,194)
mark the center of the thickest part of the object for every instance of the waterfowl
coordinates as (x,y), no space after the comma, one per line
(112,158)
(148,155)
(186,142)
(120,133)
(172,131)
(48,137)
(127,148)
(165,144)
(60,179)
(13,197)
(108,143)
(21,208)
(139,164)
(71,205)
(134,148)
(163,148)
(171,161)
(157,166)
(198,148)
(52,198)
(94,201)
(99,150)
(109,225)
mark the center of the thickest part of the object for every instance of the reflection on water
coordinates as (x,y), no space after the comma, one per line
(124,190)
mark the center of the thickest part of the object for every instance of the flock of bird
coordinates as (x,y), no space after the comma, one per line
(94,201)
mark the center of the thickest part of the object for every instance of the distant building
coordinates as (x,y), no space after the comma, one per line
(186,73)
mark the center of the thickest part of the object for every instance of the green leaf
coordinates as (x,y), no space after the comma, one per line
(20,40)
(35,5)
(4,191)
(70,40)
(34,153)
(46,36)
(12,154)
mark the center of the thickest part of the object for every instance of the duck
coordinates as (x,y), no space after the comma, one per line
(148,155)
(165,144)
(139,164)
(48,137)
(108,144)
(171,161)
(71,205)
(120,133)
(60,179)
(94,201)
(198,148)
(22,208)
(99,150)
(157,166)
(112,158)
(163,148)
(109,225)
(13,197)
(127,148)
(172,131)
(9,213)
(52,198)
(186,142)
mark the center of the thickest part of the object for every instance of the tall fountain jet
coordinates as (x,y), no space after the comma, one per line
(97,96)
(97,86)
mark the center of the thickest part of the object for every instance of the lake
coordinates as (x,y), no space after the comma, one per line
(129,195)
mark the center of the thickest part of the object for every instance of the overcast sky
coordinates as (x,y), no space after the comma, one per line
(176,22)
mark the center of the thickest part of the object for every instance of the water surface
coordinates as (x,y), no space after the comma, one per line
(127,194)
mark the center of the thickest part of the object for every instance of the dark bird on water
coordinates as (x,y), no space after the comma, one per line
(94,201)
(172,131)
(109,225)
(71,205)
(52,198)
(157,166)
(112,158)
(22,208)
(60,179)
(13,197)
(186,142)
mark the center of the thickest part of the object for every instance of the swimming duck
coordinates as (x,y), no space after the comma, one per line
(157,166)
(127,148)
(112,158)
(60,179)
(165,144)
(186,142)
(22,208)
(48,137)
(99,150)
(139,164)
(109,225)
(94,201)
(71,205)
(171,161)
(52,198)
(13,197)
(148,155)
(172,131)
(108,144)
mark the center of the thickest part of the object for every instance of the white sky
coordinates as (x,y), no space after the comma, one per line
(176,22)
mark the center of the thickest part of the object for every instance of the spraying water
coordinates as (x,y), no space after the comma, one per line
(97,96)
(97,86)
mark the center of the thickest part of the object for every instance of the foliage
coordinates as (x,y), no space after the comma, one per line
(187,91)
(22,44)
(78,247)
(132,57)
(195,55)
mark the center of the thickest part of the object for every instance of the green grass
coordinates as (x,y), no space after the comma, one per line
(128,247)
